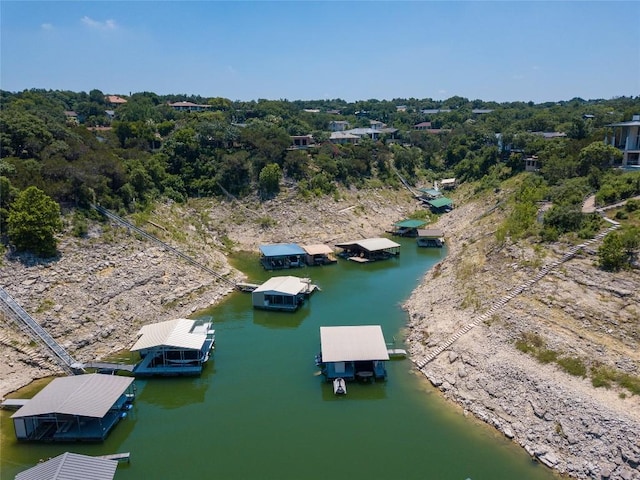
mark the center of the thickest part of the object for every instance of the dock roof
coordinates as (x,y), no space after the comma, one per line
(281,250)
(410,223)
(440,202)
(285,284)
(371,244)
(434,192)
(172,333)
(71,466)
(432,233)
(353,343)
(90,395)
(317,249)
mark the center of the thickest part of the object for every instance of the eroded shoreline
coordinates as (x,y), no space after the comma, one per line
(102,289)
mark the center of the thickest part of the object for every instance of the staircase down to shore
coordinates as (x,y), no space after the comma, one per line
(422,362)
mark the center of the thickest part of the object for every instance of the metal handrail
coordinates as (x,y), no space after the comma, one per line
(33,329)
(164,245)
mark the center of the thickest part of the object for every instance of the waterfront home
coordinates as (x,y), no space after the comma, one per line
(278,256)
(353,352)
(319,254)
(71,466)
(285,293)
(174,347)
(76,408)
(408,228)
(369,249)
(430,238)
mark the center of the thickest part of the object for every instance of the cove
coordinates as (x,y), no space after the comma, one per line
(260,410)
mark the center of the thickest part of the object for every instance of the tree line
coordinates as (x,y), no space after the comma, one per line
(130,155)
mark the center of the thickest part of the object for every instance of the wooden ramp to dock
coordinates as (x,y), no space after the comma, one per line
(247,287)
(119,457)
(422,362)
(13,403)
(107,366)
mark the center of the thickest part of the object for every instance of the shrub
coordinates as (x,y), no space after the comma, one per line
(573,366)
(632,205)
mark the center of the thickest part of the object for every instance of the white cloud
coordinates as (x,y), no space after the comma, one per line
(106,25)
(46,26)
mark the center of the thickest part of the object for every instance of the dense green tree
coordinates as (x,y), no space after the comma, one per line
(33,221)
(296,164)
(269,179)
(234,174)
(611,254)
(597,155)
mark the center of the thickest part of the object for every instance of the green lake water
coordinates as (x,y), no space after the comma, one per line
(260,410)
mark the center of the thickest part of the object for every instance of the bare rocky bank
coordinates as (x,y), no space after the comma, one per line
(576,309)
(96,295)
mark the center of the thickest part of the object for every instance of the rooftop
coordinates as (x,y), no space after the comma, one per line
(281,249)
(90,395)
(371,244)
(353,343)
(172,333)
(71,466)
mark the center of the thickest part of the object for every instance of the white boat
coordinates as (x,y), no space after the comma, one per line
(339,386)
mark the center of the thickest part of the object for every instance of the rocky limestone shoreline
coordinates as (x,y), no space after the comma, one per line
(559,419)
(96,295)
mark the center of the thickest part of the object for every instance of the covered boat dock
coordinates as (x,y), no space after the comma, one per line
(440,205)
(286,293)
(279,256)
(76,408)
(408,228)
(370,249)
(174,347)
(319,254)
(430,238)
(69,466)
(353,352)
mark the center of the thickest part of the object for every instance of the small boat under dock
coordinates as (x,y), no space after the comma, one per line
(339,386)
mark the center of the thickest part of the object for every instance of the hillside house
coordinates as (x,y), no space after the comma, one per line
(625,136)
(189,107)
(338,125)
(343,138)
(301,142)
(531,164)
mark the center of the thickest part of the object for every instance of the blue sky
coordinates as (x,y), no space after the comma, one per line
(304,50)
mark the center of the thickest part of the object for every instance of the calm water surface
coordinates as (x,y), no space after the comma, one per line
(261,411)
